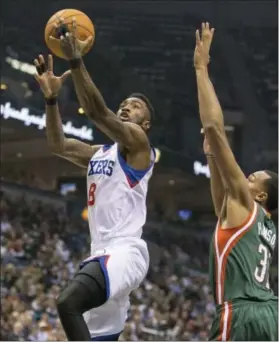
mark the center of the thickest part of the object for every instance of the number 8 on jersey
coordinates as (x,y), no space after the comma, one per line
(91,194)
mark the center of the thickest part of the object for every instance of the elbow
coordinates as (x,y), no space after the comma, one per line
(217,212)
(213,127)
(56,149)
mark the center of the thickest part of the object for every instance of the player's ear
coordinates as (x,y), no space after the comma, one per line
(146,125)
(261,197)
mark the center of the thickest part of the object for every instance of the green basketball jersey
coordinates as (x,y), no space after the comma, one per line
(240,258)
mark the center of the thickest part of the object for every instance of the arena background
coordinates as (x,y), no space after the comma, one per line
(143,46)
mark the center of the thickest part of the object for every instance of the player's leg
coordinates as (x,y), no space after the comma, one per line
(86,291)
(124,267)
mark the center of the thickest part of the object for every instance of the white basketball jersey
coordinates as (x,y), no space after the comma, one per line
(116,197)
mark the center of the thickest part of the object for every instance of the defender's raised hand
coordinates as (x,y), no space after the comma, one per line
(71,46)
(203,44)
(49,83)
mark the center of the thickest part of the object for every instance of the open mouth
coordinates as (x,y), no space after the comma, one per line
(124,117)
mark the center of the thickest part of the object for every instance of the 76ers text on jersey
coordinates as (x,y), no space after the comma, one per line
(101,167)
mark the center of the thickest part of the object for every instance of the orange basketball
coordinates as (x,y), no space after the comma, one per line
(85,29)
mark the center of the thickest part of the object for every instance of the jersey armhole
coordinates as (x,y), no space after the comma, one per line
(106,147)
(133,175)
(248,221)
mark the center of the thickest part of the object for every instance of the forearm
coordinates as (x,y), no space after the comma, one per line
(217,187)
(210,109)
(54,128)
(216,183)
(88,95)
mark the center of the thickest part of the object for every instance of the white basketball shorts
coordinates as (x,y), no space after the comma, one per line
(124,266)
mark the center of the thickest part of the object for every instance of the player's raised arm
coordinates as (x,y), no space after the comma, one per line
(129,135)
(217,187)
(213,123)
(73,150)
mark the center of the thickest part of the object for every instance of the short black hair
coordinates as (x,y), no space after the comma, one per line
(271,185)
(146,100)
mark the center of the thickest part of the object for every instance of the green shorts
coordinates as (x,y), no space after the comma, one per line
(246,321)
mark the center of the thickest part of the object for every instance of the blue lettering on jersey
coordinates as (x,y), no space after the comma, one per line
(101,167)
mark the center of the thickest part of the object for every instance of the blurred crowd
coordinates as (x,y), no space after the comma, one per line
(29,179)
(41,249)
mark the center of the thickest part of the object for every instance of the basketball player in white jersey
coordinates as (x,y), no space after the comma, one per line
(94,304)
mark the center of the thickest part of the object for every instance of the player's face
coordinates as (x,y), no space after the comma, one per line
(256,185)
(134,110)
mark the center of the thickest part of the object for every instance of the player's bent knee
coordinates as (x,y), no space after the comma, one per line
(62,303)
(68,302)
(86,291)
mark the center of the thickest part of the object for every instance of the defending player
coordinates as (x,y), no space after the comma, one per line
(245,236)
(94,304)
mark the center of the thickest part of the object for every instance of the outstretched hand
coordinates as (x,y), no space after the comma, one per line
(203,44)
(71,46)
(49,83)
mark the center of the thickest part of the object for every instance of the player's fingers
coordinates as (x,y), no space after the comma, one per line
(202,131)
(198,38)
(42,65)
(74,23)
(36,62)
(41,59)
(37,65)
(61,29)
(209,40)
(50,63)
(69,35)
(56,28)
(65,75)
(38,68)
(212,34)
(60,20)
(88,40)
(52,38)
(202,28)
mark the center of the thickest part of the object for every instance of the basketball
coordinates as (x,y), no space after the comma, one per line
(85,29)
